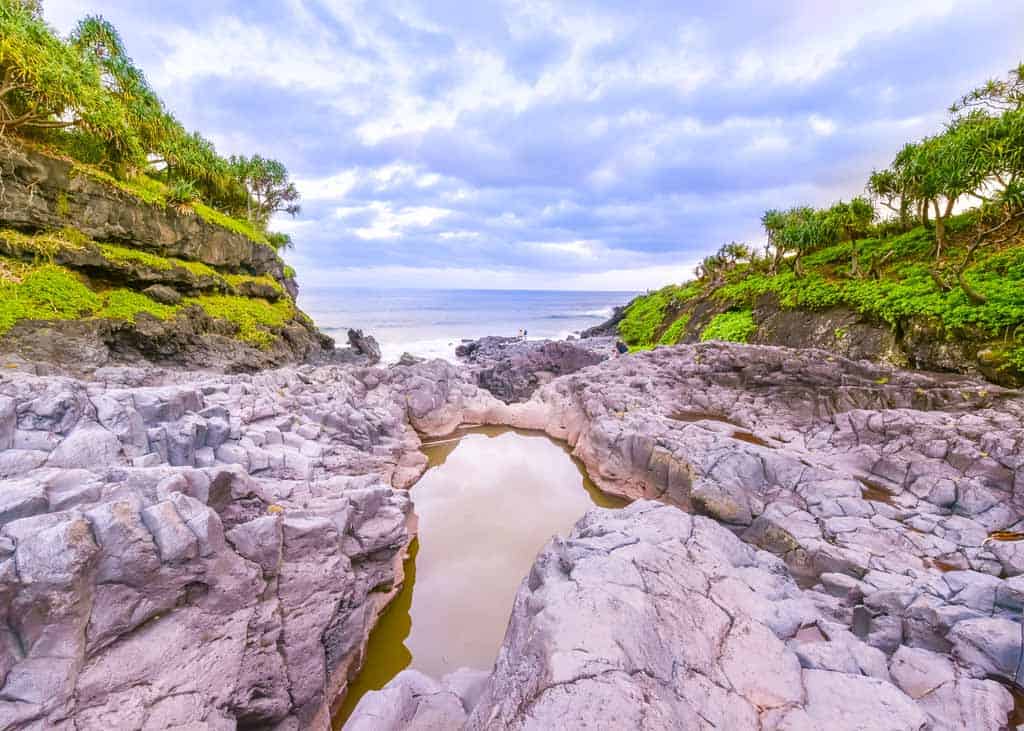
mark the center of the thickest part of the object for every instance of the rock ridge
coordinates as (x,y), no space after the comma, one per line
(874,489)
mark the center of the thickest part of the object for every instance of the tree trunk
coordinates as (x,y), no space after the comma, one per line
(940,230)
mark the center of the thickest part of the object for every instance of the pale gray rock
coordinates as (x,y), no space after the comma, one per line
(411,701)
(90,446)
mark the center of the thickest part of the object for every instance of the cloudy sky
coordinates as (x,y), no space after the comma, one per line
(555,145)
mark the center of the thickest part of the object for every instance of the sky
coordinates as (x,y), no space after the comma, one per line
(555,145)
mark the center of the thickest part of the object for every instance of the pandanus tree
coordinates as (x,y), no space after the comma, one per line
(270,190)
(773,221)
(47,84)
(852,220)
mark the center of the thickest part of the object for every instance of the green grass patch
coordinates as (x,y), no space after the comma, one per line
(124,254)
(675,331)
(125,304)
(212,215)
(46,244)
(644,317)
(735,327)
(142,187)
(155,192)
(46,292)
(238,280)
(258,320)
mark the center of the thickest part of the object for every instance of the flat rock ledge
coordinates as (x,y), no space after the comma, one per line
(874,489)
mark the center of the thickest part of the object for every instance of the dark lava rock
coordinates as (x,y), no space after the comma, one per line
(610,327)
(512,369)
(365,345)
(163,294)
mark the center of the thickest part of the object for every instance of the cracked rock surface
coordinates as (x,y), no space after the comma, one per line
(807,548)
(841,577)
(190,551)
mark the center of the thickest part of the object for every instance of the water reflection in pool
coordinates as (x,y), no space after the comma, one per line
(490,499)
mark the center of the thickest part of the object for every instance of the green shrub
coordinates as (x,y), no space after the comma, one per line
(675,331)
(643,318)
(182,193)
(736,327)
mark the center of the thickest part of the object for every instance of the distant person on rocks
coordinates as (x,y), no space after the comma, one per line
(524,333)
(520,334)
(621,348)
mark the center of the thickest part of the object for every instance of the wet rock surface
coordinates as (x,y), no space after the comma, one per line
(873,488)
(179,550)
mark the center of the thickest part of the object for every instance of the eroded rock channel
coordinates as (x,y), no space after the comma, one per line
(489,501)
(211,551)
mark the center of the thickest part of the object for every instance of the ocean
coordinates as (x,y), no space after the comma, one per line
(430,323)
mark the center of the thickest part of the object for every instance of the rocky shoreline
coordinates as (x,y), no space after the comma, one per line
(807,546)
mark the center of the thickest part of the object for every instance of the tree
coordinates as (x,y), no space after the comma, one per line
(773,221)
(146,120)
(853,219)
(995,96)
(44,83)
(269,189)
(886,187)
(192,157)
(725,259)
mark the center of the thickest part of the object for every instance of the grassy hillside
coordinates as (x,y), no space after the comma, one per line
(907,287)
(34,287)
(957,277)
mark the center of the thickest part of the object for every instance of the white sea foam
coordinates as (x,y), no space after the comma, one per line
(443,348)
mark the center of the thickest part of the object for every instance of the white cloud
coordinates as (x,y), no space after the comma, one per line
(821,125)
(389,223)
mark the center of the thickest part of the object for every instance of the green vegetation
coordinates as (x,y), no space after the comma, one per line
(643,320)
(238,280)
(124,304)
(256,319)
(124,255)
(44,245)
(736,327)
(674,332)
(83,97)
(961,273)
(46,292)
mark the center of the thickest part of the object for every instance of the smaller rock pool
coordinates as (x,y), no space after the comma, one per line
(488,502)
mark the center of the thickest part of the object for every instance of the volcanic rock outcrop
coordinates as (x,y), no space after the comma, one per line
(512,368)
(875,488)
(93,275)
(190,551)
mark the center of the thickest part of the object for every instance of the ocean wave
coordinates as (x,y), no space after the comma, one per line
(604,313)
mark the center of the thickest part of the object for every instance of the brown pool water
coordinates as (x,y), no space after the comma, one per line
(489,501)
